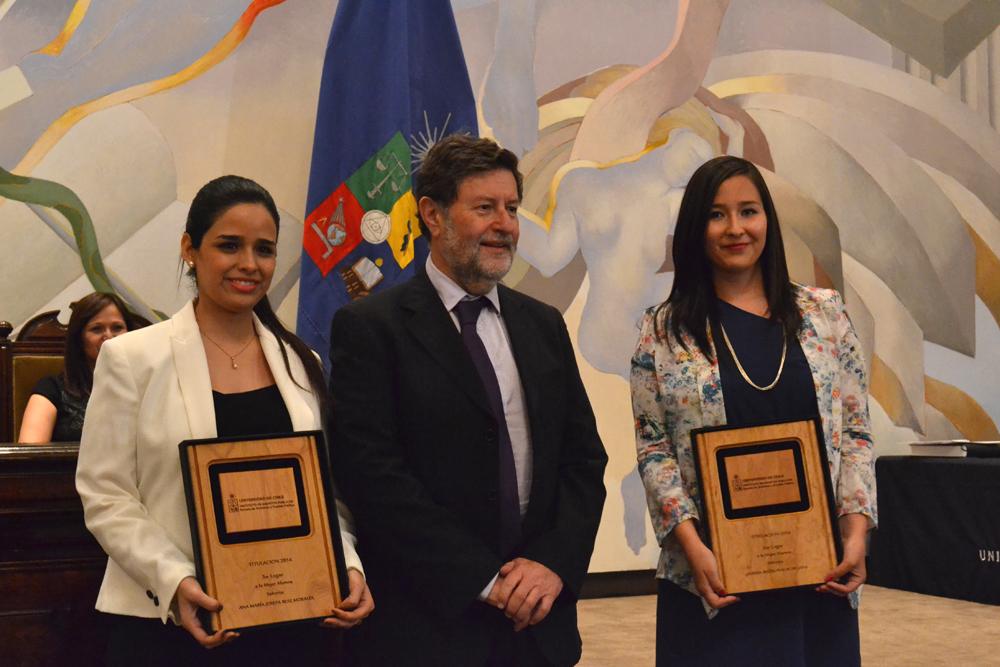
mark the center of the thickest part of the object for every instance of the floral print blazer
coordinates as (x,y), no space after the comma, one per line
(676,390)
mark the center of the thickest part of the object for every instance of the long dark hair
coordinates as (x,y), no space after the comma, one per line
(78,376)
(692,298)
(215,198)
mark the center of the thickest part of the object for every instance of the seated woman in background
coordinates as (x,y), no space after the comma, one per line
(58,402)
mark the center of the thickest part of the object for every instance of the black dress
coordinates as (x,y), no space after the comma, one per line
(70,409)
(790,627)
(144,641)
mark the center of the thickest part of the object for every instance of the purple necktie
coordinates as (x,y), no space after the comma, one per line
(510,508)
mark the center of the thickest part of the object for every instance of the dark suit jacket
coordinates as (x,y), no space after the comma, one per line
(415,453)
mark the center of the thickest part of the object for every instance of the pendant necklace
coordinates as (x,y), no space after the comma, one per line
(232,357)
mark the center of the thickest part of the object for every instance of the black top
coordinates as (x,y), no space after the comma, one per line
(70,410)
(757,341)
(257,412)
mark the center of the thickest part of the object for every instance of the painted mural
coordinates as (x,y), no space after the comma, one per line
(875,124)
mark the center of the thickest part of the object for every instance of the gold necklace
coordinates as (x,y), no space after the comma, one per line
(232,357)
(739,366)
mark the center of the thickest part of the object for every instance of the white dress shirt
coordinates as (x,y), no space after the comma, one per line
(493,332)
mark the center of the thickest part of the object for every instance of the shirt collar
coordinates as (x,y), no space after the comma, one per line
(450,292)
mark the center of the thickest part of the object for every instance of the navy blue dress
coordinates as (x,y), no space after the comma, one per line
(777,628)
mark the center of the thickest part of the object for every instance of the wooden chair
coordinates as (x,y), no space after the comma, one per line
(36,353)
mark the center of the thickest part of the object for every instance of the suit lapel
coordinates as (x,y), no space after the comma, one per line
(191,367)
(434,329)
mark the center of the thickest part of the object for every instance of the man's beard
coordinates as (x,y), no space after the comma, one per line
(464,260)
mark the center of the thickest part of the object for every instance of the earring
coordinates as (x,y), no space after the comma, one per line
(190,264)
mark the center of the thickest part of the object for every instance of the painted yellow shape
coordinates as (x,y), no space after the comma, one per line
(404,223)
(749,84)
(960,409)
(552,143)
(564,109)
(885,387)
(5,6)
(214,56)
(692,115)
(55,47)
(987,274)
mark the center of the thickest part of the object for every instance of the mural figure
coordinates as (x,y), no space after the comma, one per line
(879,145)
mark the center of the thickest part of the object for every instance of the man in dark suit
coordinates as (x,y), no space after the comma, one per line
(464,441)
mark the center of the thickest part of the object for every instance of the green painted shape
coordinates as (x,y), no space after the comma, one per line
(384,177)
(55,196)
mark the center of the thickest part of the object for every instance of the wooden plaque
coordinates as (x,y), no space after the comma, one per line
(768,503)
(264,528)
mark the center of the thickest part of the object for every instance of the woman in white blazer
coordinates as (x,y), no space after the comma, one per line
(219,367)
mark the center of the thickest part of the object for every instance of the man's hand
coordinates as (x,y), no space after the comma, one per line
(354,607)
(189,599)
(525,591)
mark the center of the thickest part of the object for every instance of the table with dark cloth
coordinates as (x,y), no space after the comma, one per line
(939,527)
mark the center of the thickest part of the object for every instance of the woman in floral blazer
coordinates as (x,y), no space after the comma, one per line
(730,276)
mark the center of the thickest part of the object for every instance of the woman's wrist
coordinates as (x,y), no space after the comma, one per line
(853,526)
(687,536)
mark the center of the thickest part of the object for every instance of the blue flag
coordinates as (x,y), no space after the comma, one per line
(394,82)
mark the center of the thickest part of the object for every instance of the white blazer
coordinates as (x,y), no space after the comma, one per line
(151,391)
